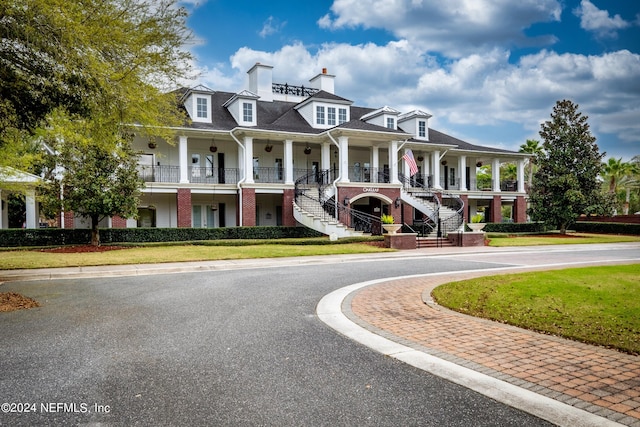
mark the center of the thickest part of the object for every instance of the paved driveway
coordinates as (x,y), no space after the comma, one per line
(232,347)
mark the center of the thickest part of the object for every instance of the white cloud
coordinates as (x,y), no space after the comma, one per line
(474,90)
(271,26)
(598,21)
(455,28)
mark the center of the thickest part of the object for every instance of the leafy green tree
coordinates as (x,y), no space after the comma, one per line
(84,75)
(86,176)
(566,184)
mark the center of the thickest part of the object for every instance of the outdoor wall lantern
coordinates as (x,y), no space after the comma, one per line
(397,202)
(346,201)
(152,145)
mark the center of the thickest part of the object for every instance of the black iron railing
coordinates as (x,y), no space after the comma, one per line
(311,195)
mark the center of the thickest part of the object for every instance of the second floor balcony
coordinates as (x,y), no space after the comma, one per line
(276,175)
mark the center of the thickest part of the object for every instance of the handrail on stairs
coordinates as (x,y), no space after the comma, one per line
(316,183)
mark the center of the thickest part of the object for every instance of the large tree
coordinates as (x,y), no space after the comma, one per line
(100,67)
(566,184)
(85,176)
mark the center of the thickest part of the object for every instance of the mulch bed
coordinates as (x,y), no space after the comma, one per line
(11,301)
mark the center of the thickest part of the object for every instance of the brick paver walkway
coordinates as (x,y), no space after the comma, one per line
(598,380)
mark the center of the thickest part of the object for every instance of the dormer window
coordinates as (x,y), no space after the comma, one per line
(331,116)
(422,129)
(342,115)
(391,123)
(202,112)
(320,114)
(247,112)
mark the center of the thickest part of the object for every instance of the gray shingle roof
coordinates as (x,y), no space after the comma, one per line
(283,116)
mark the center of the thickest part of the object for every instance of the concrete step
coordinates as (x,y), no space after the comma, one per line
(433,242)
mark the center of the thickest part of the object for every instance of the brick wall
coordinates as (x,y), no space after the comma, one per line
(392,193)
(118,222)
(287,208)
(69,219)
(249,207)
(495,209)
(520,209)
(184,207)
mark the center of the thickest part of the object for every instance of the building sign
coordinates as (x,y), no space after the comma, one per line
(370,189)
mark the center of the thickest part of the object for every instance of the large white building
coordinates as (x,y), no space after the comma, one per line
(274,154)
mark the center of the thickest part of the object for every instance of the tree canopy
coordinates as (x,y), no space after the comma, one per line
(84,76)
(109,58)
(566,184)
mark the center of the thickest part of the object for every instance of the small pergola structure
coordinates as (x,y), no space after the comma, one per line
(11,181)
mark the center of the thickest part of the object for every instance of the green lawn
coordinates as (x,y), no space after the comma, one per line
(501,240)
(597,305)
(20,259)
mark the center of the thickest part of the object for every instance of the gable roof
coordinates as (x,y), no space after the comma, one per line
(283,116)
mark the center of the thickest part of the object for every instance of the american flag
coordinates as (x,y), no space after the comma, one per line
(413,167)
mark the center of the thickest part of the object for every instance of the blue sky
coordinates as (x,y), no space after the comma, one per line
(489,71)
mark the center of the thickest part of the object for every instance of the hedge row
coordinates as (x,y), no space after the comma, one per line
(59,237)
(607,228)
(515,227)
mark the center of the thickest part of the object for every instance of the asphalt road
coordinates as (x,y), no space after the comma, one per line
(235,347)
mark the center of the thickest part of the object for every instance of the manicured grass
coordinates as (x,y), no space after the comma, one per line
(597,305)
(156,254)
(501,240)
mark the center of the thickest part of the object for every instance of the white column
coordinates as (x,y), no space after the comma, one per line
(393,162)
(343,143)
(462,165)
(288,161)
(436,169)
(30,201)
(325,156)
(521,176)
(426,168)
(495,174)
(375,163)
(248,159)
(184,161)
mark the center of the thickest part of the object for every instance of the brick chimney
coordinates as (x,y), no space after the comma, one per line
(323,81)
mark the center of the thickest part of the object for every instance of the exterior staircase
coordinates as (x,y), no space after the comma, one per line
(448,215)
(310,212)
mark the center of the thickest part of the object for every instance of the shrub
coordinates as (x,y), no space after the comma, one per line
(60,237)
(607,228)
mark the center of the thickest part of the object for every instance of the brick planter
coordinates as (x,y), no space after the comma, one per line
(400,241)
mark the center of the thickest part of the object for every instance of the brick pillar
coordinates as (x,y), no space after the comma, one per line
(69,219)
(496,209)
(118,222)
(520,209)
(287,208)
(184,207)
(248,207)
(407,212)
(465,209)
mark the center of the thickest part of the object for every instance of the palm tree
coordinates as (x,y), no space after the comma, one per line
(614,170)
(622,175)
(533,147)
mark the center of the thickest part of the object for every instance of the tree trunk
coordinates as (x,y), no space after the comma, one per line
(627,199)
(95,233)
